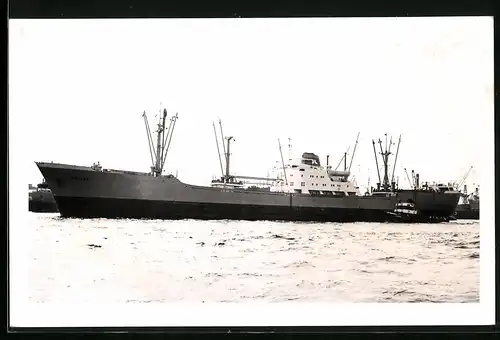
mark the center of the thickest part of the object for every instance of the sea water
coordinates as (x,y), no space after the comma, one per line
(140,261)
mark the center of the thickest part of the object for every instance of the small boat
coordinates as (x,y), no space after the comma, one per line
(406,212)
(41,199)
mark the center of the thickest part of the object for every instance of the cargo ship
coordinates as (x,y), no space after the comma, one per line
(41,199)
(468,206)
(303,190)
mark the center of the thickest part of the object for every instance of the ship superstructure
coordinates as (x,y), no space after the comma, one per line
(305,175)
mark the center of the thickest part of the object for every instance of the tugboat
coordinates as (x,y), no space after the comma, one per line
(41,199)
(405,212)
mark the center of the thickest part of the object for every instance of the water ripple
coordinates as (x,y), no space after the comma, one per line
(144,261)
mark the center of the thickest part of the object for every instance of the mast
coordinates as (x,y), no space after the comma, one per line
(173,120)
(345,161)
(161,150)
(163,132)
(282,162)
(223,145)
(161,127)
(228,156)
(376,162)
(395,160)
(218,149)
(408,177)
(340,162)
(385,155)
(354,152)
(150,139)
(289,148)
(385,158)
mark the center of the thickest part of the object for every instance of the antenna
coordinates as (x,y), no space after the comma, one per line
(289,148)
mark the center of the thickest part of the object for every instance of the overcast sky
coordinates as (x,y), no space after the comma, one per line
(77,89)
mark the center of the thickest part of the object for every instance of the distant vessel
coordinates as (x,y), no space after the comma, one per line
(302,190)
(468,207)
(41,198)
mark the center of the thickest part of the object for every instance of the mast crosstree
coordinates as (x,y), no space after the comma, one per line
(384,183)
(164,137)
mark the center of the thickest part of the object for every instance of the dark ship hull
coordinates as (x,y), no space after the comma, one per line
(467,212)
(42,207)
(42,201)
(419,218)
(83,192)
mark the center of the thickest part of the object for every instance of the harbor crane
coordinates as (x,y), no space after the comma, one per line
(464,178)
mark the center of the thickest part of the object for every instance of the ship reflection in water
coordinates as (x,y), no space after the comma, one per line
(104,261)
(301,190)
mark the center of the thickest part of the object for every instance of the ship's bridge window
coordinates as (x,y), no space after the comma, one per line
(294,166)
(303,184)
(302,169)
(291,183)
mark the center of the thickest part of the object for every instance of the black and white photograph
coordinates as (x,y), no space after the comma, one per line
(251,171)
